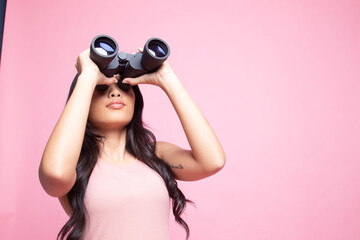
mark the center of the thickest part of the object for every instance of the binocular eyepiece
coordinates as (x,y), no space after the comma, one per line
(104,51)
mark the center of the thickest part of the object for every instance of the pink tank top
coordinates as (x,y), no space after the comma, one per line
(126,203)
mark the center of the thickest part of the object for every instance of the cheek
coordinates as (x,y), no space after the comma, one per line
(132,103)
(94,112)
(94,107)
(131,111)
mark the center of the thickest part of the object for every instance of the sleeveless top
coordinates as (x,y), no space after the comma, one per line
(126,203)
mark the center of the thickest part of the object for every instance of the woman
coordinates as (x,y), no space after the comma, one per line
(110,174)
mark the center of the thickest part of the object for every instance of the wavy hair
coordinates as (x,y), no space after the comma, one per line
(141,143)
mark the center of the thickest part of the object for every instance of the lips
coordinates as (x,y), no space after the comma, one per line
(116,104)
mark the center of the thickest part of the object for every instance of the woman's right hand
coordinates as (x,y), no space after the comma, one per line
(87,68)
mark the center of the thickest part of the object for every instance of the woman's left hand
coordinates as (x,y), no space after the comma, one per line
(158,78)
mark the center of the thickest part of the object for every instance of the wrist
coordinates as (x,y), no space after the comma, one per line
(88,78)
(170,83)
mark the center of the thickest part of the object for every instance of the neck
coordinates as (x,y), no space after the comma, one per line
(113,148)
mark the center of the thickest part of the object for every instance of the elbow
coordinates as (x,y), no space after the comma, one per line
(55,184)
(218,163)
(221,160)
(221,163)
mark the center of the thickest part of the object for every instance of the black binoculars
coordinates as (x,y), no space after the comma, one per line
(104,51)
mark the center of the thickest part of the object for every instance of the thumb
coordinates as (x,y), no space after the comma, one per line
(143,79)
(131,81)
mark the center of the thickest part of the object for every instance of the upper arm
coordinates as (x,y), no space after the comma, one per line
(64,201)
(183,164)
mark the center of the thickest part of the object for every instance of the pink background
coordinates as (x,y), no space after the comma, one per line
(278,81)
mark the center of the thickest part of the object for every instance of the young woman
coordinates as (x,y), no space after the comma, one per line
(112,177)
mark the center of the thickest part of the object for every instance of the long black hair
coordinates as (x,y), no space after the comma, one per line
(141,143)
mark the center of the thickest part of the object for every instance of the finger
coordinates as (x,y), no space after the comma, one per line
(131,81)
(108,81)
(146,78)
(113,80)
(117,76)
(140,49)
(105,80)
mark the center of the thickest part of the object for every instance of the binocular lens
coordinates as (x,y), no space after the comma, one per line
(104,48)
(157,50)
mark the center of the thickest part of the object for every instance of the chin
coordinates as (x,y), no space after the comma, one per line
(110,125)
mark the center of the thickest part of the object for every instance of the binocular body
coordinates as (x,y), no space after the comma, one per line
(104,51)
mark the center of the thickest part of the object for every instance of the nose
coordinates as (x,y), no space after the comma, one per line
(114,91)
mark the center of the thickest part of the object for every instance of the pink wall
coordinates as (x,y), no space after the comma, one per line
(278,81)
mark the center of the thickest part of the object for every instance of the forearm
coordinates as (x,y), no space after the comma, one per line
(62,151)
(204,144)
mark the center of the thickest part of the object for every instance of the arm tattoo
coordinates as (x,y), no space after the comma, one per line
(177,167)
